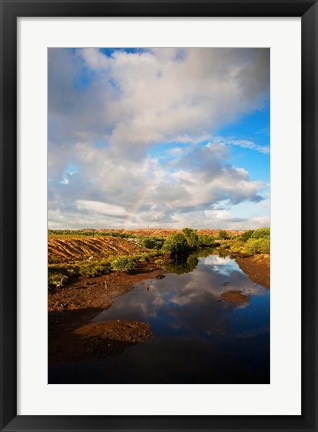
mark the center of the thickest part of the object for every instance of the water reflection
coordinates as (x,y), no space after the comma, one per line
(187,302)
(198,337)
(186,265)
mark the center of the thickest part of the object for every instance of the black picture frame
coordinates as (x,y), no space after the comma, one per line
(10,11)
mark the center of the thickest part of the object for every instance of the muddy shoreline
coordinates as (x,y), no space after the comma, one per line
(73,337)
(71,310)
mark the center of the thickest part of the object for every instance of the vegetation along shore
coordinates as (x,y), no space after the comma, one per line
(89,269)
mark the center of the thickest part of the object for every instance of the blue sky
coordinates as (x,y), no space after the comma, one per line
(163,137)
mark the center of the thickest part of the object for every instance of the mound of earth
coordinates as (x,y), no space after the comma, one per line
(234,296)
(77,341)
(116,330)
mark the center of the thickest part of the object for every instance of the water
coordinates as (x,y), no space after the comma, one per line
(198,338)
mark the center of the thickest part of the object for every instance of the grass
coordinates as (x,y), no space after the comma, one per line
(60,275)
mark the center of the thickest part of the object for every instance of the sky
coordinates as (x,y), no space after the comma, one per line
(158,137)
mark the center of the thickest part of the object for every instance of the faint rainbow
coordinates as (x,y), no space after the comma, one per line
(136,205)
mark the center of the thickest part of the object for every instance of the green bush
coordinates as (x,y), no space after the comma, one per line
(206,240)
(237,246)
(191,237)
(94,268)
(223,235)
(246,235)
(57,279)
(60,274)
(153,242)
(257,246)
(67,269)
(143,257)
(123,264)
(175,245)
(261,233)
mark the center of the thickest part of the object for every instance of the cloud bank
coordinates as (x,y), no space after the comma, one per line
(131,142)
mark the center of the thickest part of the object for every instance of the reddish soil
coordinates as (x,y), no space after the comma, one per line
(234,296)
(99,292)
(257,268)
(72,339)
(68,248)
(116,330)
(72,335)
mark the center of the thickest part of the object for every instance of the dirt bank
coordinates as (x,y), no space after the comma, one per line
(72,335)
(116,330)
(99,292)
(257,268)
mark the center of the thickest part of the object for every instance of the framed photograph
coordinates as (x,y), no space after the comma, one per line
(158,215)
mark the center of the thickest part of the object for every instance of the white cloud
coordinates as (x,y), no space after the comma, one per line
(148,97)
(144,192)
(260,222)
(244,144)
(106,114)
(101,208)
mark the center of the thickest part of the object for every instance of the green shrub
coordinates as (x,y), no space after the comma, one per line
(257,246)
(223,235)
(191,237)
(57,279)
(94,268)
(60,274)
(246,235)
(123,264)
(152,242)
(175,245)
(180,243)
(261,233)
(154,253)
(143,257)
(206,240)
(264,246)
(237,246)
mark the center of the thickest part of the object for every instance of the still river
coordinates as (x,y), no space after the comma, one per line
(198,336)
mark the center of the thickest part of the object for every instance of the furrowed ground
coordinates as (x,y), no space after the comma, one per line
(68,249)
